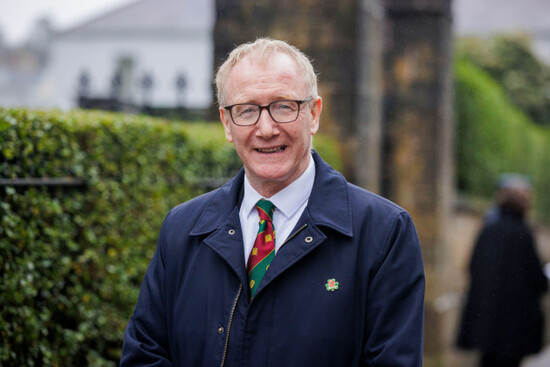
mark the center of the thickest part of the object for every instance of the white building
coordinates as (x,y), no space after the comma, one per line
(147,42)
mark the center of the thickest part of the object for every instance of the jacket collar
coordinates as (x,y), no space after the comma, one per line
(329,203)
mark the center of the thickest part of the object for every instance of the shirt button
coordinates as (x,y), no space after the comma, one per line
(231,232)
(309,239)
(221,330)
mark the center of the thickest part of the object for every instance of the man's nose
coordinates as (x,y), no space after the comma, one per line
(266,126)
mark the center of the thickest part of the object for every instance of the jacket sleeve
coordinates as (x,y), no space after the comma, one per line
(146,336)
(396,300)
(533,266)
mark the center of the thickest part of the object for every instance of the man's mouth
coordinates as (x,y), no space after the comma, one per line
(271,150)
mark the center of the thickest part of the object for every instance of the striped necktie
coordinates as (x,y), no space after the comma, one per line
(263,251)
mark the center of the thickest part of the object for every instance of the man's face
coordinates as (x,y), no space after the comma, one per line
(273,154)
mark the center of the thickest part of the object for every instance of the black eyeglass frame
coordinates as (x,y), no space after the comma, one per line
(298,101)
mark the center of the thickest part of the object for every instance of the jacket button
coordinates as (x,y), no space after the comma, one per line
(309,239)
(231,232)
(221,330)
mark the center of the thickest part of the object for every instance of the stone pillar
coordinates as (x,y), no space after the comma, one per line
(326,31)
(368,111)
(417,158)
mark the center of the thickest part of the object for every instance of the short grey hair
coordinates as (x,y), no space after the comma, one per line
(261,49)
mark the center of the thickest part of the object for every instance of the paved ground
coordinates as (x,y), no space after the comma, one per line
(540,360)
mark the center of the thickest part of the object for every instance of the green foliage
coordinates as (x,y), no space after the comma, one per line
(72,258)
(494,137)
(328,148)
(510,61)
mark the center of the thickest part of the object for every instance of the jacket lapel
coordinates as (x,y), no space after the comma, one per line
(220,221)
(305,238)
(227,241)
(328,206)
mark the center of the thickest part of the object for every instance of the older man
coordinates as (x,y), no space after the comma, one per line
(287,264)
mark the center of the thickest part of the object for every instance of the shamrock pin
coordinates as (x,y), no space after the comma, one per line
(331,285)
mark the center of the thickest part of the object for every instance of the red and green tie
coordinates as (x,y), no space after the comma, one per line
(263,251)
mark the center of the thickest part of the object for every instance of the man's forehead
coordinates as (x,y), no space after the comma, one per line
(267,60)
(279,74)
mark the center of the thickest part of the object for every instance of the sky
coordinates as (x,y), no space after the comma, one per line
(17,17)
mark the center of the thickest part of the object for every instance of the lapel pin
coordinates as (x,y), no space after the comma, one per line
(331,285)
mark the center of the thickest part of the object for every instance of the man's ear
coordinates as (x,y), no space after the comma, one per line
(225,119)
(316,109)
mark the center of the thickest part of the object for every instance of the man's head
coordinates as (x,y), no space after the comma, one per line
(273,143)
(514,193)
(261,50)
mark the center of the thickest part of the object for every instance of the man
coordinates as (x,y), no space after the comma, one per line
(502,316)
(287,264)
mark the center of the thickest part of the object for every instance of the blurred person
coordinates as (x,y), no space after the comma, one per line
(287,264)
(502,316)
(505,182)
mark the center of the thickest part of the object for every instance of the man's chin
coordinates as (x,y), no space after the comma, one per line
(269,176)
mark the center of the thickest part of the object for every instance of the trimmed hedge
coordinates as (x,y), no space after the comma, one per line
(494,137)
(72,258)
(509,59)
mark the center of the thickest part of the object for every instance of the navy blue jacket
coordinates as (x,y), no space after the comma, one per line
(346,289)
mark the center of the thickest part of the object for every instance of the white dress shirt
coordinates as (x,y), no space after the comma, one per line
(289,203)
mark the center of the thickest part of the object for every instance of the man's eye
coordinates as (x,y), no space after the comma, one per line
(245,110)
(285,106)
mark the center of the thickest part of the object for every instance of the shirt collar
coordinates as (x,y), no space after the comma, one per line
(289,199)
(328,205)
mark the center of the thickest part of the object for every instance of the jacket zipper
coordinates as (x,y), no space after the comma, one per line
(229,324)
(237,299)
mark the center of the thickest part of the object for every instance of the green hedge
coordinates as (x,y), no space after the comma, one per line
(494,137)
(509,59)
(72,258)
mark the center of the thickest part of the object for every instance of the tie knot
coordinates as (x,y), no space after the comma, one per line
(265,209)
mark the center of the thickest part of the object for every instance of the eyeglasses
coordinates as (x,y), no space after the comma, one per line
(283,111)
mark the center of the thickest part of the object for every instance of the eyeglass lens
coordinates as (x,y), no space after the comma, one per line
(280,111)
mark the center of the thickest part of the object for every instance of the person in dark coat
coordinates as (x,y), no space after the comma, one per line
(502,316)
(287,264)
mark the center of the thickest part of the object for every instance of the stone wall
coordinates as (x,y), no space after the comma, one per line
(326,30)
